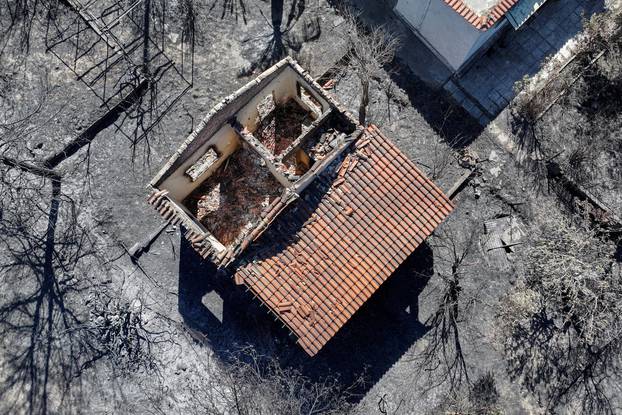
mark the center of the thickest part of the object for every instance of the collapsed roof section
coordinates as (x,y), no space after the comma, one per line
(251,156)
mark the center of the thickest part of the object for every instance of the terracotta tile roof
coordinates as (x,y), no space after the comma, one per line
(485,21)
(329,251)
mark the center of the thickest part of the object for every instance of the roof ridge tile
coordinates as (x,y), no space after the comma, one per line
(484,21)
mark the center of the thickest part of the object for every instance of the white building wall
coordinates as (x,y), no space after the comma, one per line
(447,33)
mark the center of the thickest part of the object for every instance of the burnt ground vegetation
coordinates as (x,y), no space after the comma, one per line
(574,120)
(571,271)
(86,327)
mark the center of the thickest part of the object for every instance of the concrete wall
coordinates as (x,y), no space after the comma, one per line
(448,34)
(217,132)
(282,89)
(180,185)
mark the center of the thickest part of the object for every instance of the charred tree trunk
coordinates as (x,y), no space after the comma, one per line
(364,101)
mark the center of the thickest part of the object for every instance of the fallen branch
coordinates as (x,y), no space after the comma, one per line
(141,247)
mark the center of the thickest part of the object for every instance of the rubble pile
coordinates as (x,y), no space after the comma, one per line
(326,142)
(234,196)
(280,128)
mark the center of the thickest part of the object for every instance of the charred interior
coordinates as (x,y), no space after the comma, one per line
(282,125)
(230,200)
(316,145)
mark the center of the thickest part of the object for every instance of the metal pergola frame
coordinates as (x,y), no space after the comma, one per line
(111,46)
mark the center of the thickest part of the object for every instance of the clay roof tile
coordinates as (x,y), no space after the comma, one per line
(484,21)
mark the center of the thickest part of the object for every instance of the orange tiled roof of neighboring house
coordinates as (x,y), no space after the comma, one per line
(484,21)
(328,252)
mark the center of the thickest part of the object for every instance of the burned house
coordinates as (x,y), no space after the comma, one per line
(309,210)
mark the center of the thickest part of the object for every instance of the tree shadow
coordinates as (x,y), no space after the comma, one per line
(17,21)
(282,39)
(45,348)
(378,334)
(235,8)
(124,51)
(559,370)
(57,318)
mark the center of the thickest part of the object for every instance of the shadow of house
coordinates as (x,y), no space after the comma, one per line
(210,303)
(437,106)
(382,330)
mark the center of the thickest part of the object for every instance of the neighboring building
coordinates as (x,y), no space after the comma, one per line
(459,31)
(308,209)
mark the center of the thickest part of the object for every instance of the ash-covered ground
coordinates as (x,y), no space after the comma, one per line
(86,328)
